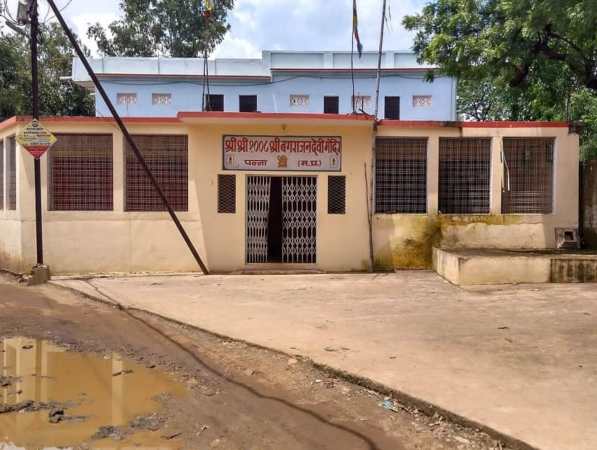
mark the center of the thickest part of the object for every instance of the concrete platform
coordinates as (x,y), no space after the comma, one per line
(521,360)
(488,266)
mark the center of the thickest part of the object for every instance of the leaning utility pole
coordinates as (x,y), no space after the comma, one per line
(127,136)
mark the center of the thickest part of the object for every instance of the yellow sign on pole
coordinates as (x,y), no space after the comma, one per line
(36,139)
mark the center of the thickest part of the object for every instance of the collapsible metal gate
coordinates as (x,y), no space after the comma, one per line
(258,193)
(299,219)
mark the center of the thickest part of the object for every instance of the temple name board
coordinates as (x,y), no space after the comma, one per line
(283,153)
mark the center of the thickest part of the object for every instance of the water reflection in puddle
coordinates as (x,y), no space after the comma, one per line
(99,391)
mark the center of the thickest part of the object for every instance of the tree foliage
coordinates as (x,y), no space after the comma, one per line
(508,39)
(57,97)
(516,59)
(163,28)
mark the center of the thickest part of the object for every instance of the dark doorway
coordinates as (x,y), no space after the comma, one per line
(281,219)
(274,235)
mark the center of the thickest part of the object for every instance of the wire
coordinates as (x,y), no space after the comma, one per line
(265,83)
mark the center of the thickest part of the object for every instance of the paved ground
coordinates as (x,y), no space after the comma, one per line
(519,359)
(211,392)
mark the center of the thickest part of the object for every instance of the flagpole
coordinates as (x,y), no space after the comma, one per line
(381,36)
(374,137)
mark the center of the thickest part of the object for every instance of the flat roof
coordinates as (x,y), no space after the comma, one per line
(240,117)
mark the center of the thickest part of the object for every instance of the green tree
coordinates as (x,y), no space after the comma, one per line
(516,60)
(58,96)
(507,39)
(163,28)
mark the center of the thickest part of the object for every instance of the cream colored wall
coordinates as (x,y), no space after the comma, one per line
(11,237)
(108,241)
(342,240)
(405,240)
(118,241)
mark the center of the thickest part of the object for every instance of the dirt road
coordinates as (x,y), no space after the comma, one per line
(232,396)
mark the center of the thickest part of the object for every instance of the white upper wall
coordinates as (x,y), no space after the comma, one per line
(241,67)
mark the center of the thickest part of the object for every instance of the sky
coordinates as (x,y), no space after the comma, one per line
(278,24)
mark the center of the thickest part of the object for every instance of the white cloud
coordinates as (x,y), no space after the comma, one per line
(233,47)
(278,24)
(316,24)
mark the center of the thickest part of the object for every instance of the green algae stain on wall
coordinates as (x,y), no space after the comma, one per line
(406,242)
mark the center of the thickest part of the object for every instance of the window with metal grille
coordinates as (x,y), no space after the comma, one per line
(167,157)
(11,173)
(337,195)
(80,173)
(401,176)
(528,176)
(1,174)
(247,103)
(126,99)
(392,105)
(464,175)
(227,194)
(331,105)
(161,99)
(214,102)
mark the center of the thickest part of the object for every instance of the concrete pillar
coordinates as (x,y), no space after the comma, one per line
(118,171)
(495,188)
(433,175)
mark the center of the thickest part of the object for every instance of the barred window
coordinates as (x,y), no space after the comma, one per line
(392,108)
(337,195)
(401,175)
(161,99)
(247,103)
(214,102)
(528,176)
(126,99)
(464,175)
(331,105)
(226,194)
(167,158)
(1,174)
(11,173)
(80,173)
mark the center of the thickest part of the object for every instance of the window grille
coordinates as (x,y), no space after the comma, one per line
(247,103)
(337,195)
(464,175)
(214,102)
(361,102)
(422,101)
(80,173)
(167,157)
(126,99)
(299,100)
(161,99)
(401,176)
(1,174)
(528,176)
(11,173)
(226,194)
(331,105)
(392,105)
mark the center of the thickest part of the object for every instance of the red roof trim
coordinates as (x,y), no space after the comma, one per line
(86,119)
(8,123)
(488,124)
(261,116)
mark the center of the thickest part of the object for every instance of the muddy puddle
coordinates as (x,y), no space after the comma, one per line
(52,398)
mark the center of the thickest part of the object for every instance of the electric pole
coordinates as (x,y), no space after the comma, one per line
(40,273)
